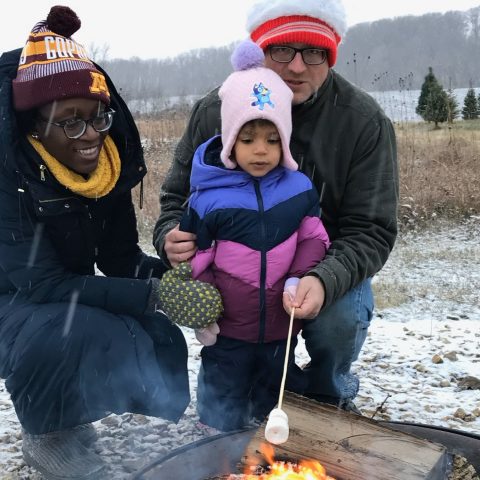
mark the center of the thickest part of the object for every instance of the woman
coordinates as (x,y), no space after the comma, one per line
(75,346)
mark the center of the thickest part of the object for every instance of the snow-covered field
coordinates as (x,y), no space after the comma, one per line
(420,363)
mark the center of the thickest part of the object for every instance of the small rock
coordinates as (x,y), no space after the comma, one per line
(126,417)
(460,413)
(452,356)
(110,421)
(469,383)
(150,438)
(140,419)
(420,368)
(437,359)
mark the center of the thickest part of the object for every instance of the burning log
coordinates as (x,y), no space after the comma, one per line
(351,447)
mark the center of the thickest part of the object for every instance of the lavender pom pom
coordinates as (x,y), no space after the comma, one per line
(247,55)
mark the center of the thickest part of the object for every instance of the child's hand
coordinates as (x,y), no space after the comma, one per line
(208,335)
(289,292)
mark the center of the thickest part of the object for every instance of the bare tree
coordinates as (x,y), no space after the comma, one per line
(99,53)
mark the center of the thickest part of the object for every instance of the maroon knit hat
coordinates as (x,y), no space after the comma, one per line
(53,66)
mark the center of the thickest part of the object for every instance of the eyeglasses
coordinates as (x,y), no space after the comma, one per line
(76,127)
(310,56)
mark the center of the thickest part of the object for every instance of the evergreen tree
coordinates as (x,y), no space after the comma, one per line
(436,109)
(425,92)
(452,106)
(470,105)
(433,101)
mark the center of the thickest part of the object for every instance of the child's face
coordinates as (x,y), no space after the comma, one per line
(258,148)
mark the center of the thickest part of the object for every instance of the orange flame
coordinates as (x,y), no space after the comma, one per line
(304,470)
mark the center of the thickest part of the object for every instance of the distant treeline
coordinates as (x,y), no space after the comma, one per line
(390,54)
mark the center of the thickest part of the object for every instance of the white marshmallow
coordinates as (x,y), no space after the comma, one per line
(276,430)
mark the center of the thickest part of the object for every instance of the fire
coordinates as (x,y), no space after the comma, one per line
(304,470)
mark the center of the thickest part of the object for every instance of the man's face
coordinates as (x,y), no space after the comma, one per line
(304,80)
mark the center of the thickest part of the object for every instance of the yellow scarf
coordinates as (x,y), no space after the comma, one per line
(99,183)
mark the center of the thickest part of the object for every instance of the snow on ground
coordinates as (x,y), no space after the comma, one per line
(420,363)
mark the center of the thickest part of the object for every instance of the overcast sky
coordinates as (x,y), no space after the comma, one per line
(157,29)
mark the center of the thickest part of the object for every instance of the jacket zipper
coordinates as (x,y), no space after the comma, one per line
(55,199)
(42,172)
(263,261)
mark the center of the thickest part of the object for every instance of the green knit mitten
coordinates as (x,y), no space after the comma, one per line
(187,302)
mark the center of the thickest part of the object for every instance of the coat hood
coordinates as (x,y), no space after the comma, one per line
(208,171)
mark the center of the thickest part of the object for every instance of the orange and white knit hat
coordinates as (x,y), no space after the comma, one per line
(320,23)
(53,66)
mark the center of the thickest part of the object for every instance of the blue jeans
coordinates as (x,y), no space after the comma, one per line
(333,341)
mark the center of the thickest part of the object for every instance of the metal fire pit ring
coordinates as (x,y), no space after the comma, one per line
(219,455)
(216,455)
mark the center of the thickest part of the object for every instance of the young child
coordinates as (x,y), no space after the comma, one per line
(257,225)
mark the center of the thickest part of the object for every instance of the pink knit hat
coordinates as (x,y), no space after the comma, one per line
(254,92)
(320,23)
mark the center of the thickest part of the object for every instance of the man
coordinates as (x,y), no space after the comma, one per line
(344,142)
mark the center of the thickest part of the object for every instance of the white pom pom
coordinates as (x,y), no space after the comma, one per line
(247,55)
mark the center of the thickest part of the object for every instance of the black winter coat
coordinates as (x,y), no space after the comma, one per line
(51,238)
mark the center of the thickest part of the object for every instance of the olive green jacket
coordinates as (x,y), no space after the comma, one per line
(344,142)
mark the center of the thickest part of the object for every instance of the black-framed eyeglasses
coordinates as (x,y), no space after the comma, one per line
(76,127)
(310,56)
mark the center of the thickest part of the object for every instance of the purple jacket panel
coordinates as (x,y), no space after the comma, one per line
(235,270)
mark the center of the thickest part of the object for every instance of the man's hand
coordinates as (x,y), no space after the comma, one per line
(308,300)
(179,246)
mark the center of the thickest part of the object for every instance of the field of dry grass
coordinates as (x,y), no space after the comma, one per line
(439,169)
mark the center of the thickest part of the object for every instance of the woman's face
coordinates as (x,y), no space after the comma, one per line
(78,154)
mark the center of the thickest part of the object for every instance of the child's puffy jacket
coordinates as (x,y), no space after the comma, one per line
(252,234)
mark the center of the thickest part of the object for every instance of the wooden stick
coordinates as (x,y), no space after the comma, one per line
(287,354)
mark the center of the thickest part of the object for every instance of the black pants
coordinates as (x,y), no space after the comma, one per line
(103,363)
(239,381)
